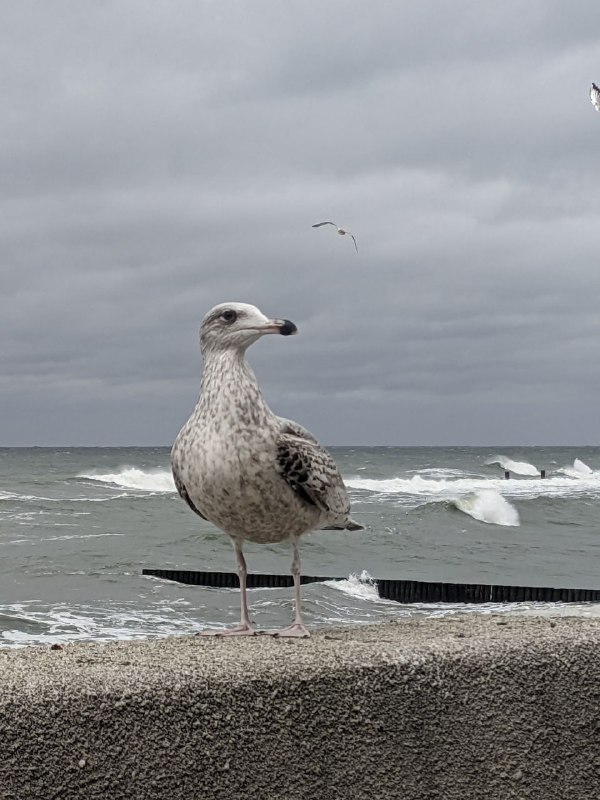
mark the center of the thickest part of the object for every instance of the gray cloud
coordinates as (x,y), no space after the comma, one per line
(159,158)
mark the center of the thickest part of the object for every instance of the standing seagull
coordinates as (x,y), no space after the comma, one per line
(254,475)
(341,231)
(595,96)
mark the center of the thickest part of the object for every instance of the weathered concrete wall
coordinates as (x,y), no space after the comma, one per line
(485,708)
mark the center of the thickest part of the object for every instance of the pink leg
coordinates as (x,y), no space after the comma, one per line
(296,629)
(245,627)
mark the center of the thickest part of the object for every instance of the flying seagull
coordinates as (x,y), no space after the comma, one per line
(341,231)
(254,475)
(595,96)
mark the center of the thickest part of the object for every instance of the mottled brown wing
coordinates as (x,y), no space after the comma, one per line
(312,473)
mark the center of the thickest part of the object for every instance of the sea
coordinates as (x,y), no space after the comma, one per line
(78,526)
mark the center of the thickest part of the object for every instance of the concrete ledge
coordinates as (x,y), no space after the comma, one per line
(469,707)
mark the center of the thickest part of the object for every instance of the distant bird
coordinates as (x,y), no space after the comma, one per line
(595,96)
(254,475)
(341,231)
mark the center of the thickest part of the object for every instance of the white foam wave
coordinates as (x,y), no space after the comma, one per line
(29,623)
(418,489)
(80,536)
(518,467)
(101,499)
(577,470)
(156,480)
(488,505)
(439,472)
(28,497)
(64,624)
(360,586)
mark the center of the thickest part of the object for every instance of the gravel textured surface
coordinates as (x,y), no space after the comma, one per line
(463,707)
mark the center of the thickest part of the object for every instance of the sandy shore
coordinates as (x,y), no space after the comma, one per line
(468,707)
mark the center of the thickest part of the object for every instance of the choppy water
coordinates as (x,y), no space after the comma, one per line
(77,526)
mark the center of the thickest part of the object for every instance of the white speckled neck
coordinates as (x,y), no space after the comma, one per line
(229,387)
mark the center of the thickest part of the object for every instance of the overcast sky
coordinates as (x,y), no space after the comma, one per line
(157,158)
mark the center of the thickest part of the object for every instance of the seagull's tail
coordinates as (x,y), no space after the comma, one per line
(352,525)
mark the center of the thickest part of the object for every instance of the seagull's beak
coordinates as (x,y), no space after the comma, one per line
(283,326)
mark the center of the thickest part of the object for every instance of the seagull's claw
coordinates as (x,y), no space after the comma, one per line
(295,631)
(239,630)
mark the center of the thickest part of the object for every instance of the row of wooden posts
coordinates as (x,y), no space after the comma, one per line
(401,591)
(507,474)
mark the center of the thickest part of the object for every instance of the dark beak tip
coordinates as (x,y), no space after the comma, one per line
(288,328)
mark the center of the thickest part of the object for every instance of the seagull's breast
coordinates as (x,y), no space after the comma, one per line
(231,476)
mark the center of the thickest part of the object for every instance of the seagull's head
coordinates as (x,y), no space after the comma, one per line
(235,326)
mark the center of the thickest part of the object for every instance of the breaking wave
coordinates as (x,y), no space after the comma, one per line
(518,467)
(156,480)
(577,470)
(417,490)
(362,586)
(488,505)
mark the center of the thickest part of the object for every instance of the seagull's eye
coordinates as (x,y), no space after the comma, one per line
(229,316)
